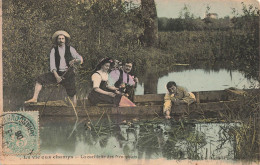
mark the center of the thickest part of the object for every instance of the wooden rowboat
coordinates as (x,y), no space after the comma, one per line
(149,104)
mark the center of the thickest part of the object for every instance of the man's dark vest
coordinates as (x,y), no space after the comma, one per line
(120,80)
(68,56)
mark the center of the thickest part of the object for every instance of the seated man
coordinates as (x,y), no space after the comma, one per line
(120,78)
(176,95)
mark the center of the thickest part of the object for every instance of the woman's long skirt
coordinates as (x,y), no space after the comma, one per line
(96,97)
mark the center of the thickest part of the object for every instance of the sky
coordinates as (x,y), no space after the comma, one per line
(172,8)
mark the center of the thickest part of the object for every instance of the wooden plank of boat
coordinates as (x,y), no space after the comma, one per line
(150,104)
(133,111)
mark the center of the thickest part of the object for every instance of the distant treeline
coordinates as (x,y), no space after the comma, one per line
(187,21)
(194,24)
(198,24)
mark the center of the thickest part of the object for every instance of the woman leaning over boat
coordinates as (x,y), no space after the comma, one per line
(101,92)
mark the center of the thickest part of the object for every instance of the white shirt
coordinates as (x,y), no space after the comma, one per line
(63,66)
(97,78)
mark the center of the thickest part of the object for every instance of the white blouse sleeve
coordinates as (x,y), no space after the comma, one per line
(96,79)
(75,54)
(52,60)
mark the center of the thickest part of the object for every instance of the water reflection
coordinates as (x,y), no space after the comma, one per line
(142,139)
(150,83)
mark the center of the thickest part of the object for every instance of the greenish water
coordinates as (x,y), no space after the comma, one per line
(137,138)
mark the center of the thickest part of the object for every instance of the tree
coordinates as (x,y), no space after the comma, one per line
(150,36)
(259,61)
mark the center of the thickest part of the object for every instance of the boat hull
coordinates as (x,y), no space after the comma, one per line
(151,104)
(142,110)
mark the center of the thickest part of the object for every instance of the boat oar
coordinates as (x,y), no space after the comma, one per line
(73,108)
(74,127)
(100,118)
(90,120)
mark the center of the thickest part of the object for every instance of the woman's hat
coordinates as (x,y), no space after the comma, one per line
(60,32)
(104,61)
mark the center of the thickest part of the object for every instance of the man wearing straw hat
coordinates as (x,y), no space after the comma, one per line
(62,59)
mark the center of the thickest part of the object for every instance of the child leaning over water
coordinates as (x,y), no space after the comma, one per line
(176,95)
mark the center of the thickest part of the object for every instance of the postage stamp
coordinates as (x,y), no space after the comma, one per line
(20,133)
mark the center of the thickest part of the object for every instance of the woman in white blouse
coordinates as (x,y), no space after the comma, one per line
(101,92)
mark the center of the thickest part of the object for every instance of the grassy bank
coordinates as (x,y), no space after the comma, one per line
(208,45)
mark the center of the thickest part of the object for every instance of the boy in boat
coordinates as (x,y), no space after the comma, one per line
(120,78)
(176,95)
(62,59)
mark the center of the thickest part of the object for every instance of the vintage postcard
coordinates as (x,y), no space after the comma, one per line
(129,82)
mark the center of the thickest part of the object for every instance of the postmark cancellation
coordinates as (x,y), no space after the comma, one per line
(20,133)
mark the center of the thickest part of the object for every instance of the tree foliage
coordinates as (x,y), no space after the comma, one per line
(97,28)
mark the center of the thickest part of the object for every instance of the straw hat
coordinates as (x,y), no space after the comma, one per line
(60,32)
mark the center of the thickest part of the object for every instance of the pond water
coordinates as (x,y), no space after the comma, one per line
(138,138)
(198,80)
